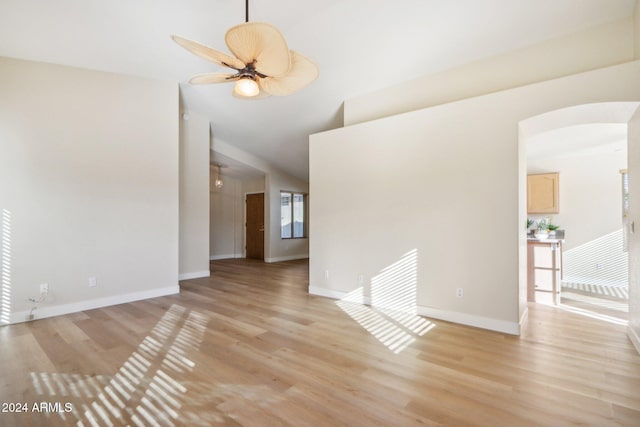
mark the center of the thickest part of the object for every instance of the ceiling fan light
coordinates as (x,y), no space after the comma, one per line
(247,87)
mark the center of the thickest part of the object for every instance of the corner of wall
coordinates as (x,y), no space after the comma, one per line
(524,318)
(634,338)
(636,30)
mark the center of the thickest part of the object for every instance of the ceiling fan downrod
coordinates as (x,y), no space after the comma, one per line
(246,10)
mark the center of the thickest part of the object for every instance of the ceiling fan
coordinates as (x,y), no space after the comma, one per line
(262,61)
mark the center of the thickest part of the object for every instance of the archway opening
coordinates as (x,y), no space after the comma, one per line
(587,146)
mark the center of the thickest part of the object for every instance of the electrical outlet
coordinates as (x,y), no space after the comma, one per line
(326,274)
(93,282)
(44,288)
(360,279)
(459,293)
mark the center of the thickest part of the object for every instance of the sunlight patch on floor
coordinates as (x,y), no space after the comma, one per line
(391,315)
(605,289)
(597,302)
(146,390)
(5,268)
(600,261)
(587,313)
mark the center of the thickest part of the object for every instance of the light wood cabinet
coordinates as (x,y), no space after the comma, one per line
(542,193)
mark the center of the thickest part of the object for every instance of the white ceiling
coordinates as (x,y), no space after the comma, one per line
(579,140)
(359,45)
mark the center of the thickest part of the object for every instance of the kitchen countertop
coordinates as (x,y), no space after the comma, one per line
(550,239)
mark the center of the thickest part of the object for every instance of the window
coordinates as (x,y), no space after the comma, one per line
(292,213)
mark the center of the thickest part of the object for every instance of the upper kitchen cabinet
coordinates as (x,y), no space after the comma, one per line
(542,193)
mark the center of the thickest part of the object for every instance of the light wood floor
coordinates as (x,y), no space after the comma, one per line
(607,300)
(250,347)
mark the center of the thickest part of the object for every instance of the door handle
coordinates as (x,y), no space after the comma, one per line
(261,229)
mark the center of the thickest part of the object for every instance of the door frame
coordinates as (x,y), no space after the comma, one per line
(633,236)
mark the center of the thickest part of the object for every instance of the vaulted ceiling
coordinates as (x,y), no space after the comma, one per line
(359,45)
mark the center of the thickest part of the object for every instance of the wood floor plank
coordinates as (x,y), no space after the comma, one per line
(249,346)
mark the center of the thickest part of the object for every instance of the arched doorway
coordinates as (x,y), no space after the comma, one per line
(591,133)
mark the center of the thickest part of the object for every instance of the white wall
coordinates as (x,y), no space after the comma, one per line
(223,219)
(194,196)
(636,21)
(593,48)
(88,187)
(443,181)
(227,223)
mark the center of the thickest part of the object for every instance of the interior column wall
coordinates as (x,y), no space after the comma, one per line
(194,196)
(88,188)
(443,181)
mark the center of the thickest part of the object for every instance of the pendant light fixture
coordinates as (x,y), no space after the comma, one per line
(219,183)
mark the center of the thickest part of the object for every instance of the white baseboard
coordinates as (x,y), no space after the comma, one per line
(633,336)
(329,293)
(512,328)
(194,275)
(286,258)
(224,256)
(58,310)
(523,320)
(339,295)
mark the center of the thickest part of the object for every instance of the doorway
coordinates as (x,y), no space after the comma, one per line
(587,145)
(255,226)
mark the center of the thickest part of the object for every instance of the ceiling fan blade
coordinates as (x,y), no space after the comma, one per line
(303,72)
(207,78)
(263,43)
(209,53)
